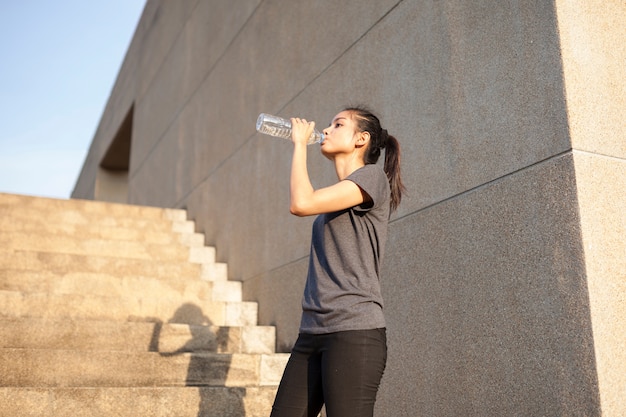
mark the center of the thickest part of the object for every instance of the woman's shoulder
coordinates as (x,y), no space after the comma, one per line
(372,179)
(370,170)
(373,174)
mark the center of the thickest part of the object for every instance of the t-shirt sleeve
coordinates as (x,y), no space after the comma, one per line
(372,179)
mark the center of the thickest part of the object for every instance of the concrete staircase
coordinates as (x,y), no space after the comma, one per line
(116,310)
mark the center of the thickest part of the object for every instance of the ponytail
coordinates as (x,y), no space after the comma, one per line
(392,169)
(366,121)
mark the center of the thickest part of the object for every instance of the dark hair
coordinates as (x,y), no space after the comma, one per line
(366,121)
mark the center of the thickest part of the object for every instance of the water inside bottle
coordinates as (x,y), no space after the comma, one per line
(274,126)
(278,131)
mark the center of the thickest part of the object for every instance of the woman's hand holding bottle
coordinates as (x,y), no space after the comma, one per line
(301,130)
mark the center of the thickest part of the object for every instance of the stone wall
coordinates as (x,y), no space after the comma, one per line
(505,277)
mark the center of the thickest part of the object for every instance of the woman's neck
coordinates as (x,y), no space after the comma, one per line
(346,165)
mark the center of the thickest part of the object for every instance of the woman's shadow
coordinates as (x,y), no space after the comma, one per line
(206,370)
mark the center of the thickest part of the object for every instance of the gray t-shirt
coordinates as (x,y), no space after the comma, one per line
(342,290)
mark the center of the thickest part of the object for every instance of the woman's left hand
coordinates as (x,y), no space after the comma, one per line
(301,130)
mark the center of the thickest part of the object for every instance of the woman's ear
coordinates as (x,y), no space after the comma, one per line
(363,138)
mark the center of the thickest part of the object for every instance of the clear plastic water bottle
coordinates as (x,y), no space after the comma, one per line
(281,128)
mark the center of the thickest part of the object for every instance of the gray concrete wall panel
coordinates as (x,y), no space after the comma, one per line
(199,46)
(488,298)
(161,24)
(455,138)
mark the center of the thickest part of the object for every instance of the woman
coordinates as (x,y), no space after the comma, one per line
(340,355)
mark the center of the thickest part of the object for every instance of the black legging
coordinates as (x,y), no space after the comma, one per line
(341,370)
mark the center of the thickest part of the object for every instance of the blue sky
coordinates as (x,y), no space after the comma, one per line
(58,62)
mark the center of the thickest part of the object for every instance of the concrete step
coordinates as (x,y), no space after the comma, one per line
(162,234)
(33,333)
(88,207)
(137,401)
(109,285)
(101,247)
(74,306)
(62,263)
(70,219)
(81,368)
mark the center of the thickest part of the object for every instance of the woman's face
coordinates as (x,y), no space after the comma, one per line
(340,136)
